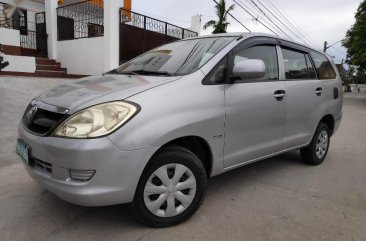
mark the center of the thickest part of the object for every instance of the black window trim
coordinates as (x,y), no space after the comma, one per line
(307,50)
(266,41)
(206,79)
(302,50)
(22,29)
(313,65)
(316,69)
(248,43)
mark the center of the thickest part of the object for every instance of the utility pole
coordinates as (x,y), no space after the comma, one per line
(325,46)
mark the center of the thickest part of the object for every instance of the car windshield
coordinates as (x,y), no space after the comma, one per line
(177,58)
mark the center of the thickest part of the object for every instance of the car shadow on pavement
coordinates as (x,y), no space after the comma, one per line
(119,217)
(262,168)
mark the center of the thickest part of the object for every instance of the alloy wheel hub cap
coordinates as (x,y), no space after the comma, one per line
(321,144)
(170,190)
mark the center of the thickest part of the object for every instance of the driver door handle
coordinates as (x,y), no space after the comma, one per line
(318,91)
(279,94)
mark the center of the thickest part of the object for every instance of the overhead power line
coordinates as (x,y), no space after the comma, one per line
(256,14)
(326,46)
(339,50)
(295,27)
(235,19)
(335,43)
(278,19)
(251,9)
(270,19)
(255,18)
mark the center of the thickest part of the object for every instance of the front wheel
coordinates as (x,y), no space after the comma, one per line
(316,151)
(171,188)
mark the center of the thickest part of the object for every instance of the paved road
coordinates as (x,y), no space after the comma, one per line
(276,199)
(15,94)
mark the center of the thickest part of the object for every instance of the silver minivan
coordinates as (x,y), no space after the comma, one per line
(152,131)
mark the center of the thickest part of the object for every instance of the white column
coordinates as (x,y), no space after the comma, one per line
(51,27)
(111,33)
(196,24)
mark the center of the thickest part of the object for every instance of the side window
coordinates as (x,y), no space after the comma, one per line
(217,74)
(297,65)
(310,66)
(323,66)
(20,22)
(267,54)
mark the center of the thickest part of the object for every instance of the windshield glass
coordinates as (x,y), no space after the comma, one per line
(177,58)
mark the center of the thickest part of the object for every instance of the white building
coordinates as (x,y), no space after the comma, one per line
(74,37)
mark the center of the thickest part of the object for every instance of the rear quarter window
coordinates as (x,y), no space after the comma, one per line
(323,66)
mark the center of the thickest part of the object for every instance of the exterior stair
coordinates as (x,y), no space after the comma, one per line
(49,68)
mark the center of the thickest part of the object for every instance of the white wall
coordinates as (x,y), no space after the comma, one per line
(9,37)
(111,33)
(20,63)
(354,87)
(82,56)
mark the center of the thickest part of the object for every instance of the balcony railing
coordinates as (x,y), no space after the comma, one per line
(80,20)
(29,40)
(155,25)
(27,37)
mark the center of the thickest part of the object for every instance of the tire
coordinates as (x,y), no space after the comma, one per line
(153,203)
(316,151)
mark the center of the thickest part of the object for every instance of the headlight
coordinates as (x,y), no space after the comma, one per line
(97,120)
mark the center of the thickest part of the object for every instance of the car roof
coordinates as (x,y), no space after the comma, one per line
(246,35)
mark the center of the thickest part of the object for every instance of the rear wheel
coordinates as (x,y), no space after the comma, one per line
(315,153)
(171,188)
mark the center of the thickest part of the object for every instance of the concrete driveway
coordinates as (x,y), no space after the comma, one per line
(276,199)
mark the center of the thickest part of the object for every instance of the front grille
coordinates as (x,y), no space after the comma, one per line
(41,121)
(41,165)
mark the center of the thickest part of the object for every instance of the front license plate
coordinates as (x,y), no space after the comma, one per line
(22,149)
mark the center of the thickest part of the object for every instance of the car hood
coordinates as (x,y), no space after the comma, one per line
(100,88)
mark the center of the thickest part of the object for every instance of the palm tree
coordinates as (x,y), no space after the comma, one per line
(220,26)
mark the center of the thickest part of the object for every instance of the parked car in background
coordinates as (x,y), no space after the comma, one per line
(152,131)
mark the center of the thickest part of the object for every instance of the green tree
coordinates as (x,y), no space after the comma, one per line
(349,78)
(354,76)
(355,40)
(220,26)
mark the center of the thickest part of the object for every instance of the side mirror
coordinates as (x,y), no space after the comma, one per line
(249,69)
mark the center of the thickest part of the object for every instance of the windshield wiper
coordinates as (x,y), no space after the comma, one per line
(128,72)
(113,71)
(140,72)
(149,72)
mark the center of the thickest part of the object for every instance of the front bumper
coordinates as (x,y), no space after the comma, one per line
(117,171)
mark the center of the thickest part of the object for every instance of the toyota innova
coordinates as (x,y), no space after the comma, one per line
(152,131)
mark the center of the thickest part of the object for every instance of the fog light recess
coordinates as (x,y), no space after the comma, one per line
(81,175)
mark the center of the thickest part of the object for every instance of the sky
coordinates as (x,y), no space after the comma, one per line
(316,20)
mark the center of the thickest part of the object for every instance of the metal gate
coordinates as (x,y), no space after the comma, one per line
(41,34)
(140,33)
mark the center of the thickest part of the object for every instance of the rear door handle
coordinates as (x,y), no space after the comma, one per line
(279,94)
(318,91)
